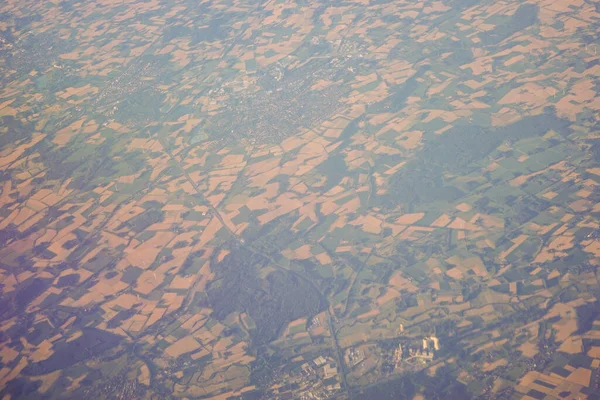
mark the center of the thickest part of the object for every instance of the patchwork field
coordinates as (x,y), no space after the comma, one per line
(235,200)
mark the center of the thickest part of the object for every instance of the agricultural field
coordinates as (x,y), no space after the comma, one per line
(283,199)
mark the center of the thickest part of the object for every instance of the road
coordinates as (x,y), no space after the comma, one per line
(216,214)
(338,352)
(354,280)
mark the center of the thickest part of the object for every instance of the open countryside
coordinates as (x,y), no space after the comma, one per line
(277,199)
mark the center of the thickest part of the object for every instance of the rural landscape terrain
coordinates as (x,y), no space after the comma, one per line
(276,199)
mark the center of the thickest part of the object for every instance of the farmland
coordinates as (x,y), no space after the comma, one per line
(278,199)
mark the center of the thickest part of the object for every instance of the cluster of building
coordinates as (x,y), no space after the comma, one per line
(354,357)
(593,235)
(117,387)
(316,322)
(314,380)
(125,84)
(423,353)
(286,102)
(328,368)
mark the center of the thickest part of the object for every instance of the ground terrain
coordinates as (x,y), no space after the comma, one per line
(267,199)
